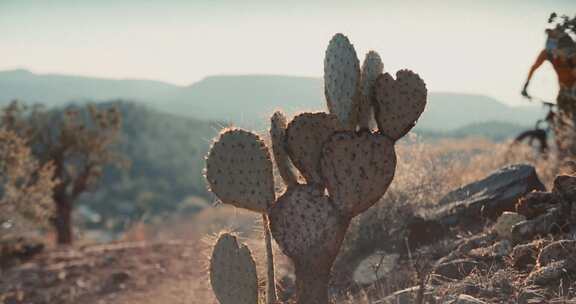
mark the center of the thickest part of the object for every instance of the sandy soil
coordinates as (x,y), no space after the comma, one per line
(167,272)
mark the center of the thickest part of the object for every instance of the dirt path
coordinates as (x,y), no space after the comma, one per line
(168,272)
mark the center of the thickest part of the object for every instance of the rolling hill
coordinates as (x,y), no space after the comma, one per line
(244,100)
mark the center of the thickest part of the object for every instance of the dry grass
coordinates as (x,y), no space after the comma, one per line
(426,171)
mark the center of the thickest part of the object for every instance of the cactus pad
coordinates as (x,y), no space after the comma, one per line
(304,137)
(233,272)
(278,136)
(371,69)
(239,171)
(399,102)
(358,168)
(302,219)
(342,80)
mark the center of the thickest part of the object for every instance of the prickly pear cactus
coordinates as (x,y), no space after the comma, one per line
(304,138)
(347,166)
(303,217)
(399,102)
(278,125)
(342,80)
(239,170)
(372,67)
(358,168)
(233,272)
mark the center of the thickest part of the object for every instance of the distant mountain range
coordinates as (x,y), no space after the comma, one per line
(167,151)
(245,100)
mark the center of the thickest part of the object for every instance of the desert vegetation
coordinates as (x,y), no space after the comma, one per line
(348,203)
(75,144)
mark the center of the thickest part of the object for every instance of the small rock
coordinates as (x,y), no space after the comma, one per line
(81,283)
(115,282)
(541,225)
(501,249)
(557,251)
(530,296)
(62,275)
(457,269)
(466,299)
(525,255)
(17,249)
(550,273)
(374,267)
(498,250)
(408,296)
(536,203)
(565,185)
(467,245)
(505,223)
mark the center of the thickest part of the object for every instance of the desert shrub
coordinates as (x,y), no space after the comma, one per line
(26,188)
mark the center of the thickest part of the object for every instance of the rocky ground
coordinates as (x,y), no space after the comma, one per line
(480,254)
(502,239)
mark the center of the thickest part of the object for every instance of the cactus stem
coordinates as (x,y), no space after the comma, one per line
(311,284)
(271,297)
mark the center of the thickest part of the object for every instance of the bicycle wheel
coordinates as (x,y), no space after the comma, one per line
(537,138)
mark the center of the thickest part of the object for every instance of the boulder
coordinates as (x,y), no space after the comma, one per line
(468,206)
(488,197)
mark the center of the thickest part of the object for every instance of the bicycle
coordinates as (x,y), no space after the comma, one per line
(539,134)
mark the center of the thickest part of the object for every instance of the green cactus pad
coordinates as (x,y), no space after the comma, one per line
(303,219)
(358,168)
(239,171)
(371,69)
(399,103)
(233,272)
(278,135)
(304,138)
(342,80)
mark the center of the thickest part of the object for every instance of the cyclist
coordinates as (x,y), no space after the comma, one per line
(560,51)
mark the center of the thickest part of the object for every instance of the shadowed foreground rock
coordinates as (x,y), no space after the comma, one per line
(470,205)
(489,197)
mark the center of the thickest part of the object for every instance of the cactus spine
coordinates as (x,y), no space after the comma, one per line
(347,167)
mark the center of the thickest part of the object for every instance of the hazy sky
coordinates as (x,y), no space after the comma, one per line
(474,46)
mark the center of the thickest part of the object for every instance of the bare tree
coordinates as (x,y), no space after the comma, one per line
(78,143)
